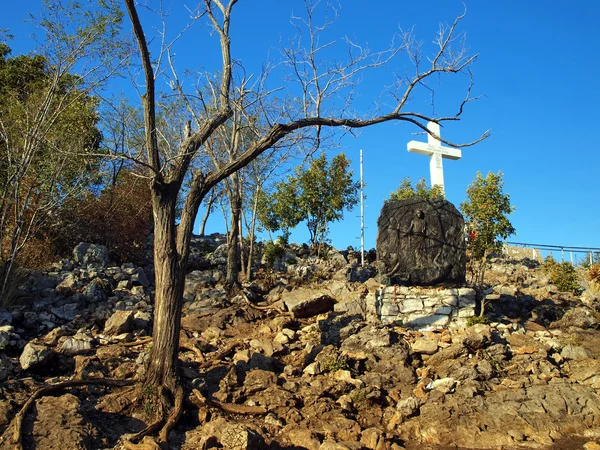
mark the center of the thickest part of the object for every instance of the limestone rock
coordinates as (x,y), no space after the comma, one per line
(579,317)
(120,322)
(307,302)
(73,346)
(90,255)
(94,292)
(238,437)
(35,355)
(575,352)
(420,242)
(424,346)
(68,285)
(139,278)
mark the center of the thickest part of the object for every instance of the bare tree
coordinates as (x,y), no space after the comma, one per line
(168,170)
(48,121)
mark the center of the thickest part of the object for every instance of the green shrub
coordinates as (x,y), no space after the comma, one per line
(593,275)
(335,363)
(562,275)
(475,320)
(272,252)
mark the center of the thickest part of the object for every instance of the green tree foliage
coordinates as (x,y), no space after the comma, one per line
(562,275)
(420,190)
(47,134)
(486,212)
(317,195)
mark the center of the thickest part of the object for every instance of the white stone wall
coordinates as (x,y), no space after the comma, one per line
(421,308)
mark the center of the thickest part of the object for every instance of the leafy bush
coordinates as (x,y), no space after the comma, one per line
(335,363)
(475,320)
(120,218)
(421,190)
(272,252)
(562,275)
(486,212)
(593,275)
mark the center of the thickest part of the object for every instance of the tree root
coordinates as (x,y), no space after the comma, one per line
(264,308)
(202,402)
(136,343)
(16,424)
(220,355)
(163,425)
(173,417)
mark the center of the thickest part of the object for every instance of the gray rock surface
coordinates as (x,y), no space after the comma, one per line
(35,355)
(90,255)
(420,242)
(306,302)
(120,322)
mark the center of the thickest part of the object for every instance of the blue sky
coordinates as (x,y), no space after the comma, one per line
(537,74)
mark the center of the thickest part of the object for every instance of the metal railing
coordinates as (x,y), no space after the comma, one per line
(562,248)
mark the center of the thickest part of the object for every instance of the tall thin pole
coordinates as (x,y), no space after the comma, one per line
(362,213)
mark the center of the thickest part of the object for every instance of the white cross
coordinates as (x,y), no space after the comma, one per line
(436,152)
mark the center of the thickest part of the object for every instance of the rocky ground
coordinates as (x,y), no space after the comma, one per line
(322,377)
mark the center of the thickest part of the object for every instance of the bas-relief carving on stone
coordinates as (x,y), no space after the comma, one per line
(421,242)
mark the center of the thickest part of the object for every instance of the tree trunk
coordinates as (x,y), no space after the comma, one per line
(209,206)
(233,251)
(251,236)
(242,267)
(169,269)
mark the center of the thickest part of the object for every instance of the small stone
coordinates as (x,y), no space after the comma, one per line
(291,334)
(139,278)
(443,385)
(238,437)
(281,339)
(424,346)
(67,286)
(345,401)
(72,346)
(124,285)
(408,407)
(313,369)
(141,320)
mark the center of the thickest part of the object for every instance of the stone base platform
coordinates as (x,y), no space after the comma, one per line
(421,308)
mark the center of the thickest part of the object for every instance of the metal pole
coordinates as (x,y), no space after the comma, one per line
(362,213)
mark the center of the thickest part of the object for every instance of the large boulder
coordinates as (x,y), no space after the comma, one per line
(421,242)
(307,302)
(91,255)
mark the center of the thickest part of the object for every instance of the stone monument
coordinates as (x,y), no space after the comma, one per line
(421,242)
